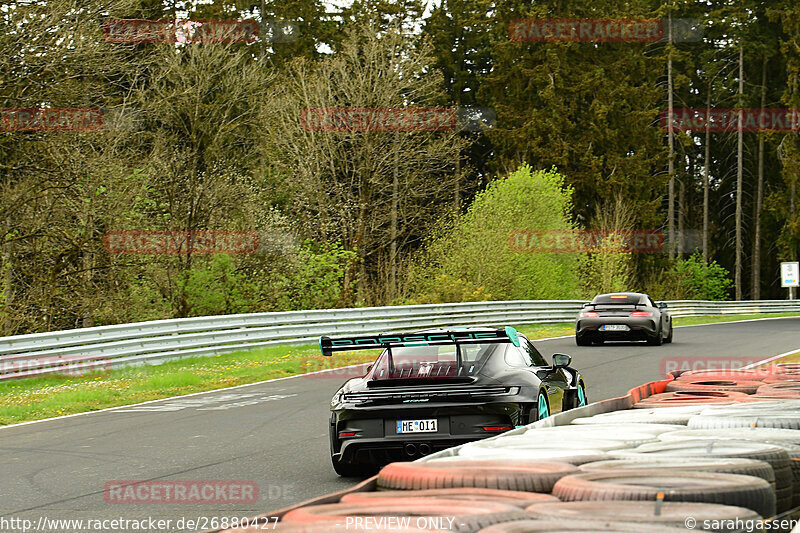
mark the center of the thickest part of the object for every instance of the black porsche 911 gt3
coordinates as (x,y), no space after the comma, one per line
(623,316)
(434,389)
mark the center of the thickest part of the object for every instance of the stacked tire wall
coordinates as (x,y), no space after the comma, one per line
(718,450)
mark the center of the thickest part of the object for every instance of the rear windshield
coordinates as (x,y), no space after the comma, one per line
(434,361)
(618,299)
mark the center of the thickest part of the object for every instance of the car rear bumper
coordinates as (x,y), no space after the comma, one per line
(638,327)
(376,440)
(382,451)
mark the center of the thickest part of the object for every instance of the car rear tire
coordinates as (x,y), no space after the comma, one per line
(582,340)
(657,340)
(542,407)
(582,401)
(668,340)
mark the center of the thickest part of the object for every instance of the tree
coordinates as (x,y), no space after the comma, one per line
(375,191)
(480,249)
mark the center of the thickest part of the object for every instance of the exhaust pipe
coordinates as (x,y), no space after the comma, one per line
(410,450)
(425,449)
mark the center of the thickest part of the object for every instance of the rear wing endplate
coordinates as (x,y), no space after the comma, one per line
(387,340)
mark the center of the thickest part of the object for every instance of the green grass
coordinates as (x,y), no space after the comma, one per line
(694,320)
(49,396)
(791,358)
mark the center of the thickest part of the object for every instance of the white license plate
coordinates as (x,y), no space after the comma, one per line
(615,327)
(416,426)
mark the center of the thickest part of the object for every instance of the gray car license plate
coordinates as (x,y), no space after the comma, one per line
(615,327)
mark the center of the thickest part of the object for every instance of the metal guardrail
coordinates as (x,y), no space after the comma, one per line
(81,350)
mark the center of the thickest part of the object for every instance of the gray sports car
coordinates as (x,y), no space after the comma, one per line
(623,316)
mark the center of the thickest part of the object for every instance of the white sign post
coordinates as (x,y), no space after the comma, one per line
(790,277)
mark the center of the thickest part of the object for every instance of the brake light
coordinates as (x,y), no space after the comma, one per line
(641,313)
(347,434)
(619,296)
(496,428)
(589,313)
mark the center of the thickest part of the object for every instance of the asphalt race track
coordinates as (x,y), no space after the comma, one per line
(275,434)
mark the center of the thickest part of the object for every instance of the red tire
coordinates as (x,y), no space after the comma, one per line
(722,465)
(787,368)
(684,485)
(714,384)
(789,390)
(583,526)
(735,374)
(522,456)
(422,513)
(530,476)
(670,513)
(689,397)
(782,378)
(508,497)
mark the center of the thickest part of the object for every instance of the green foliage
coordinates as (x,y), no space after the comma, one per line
(316,278)
(476,247)
(692,279)
(606,272)
(446,288)
(216,288)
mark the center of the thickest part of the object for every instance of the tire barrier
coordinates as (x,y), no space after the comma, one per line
(432,513)
(671,514)
(778,458)
(528,476)
(715,384)
(767,435)
(611,427)
(786,389)
(508,497)
(727,374)
(573,457)
(703,487)
(583,526)
(745,467)
(690,397)
(529,441)
(662,415)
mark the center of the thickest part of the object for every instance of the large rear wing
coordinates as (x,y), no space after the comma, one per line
(389,340)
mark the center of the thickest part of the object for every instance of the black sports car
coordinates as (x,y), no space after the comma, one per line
(434,389)
(623,316)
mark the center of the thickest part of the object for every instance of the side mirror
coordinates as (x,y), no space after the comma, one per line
(561,360)
(586,305)
(662,305)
